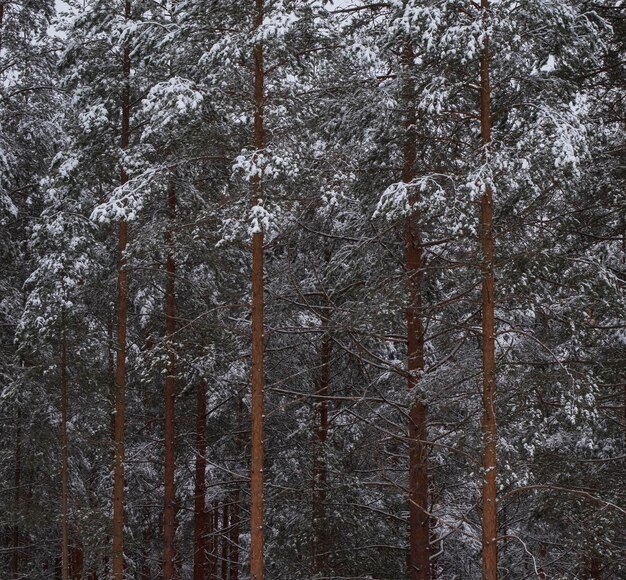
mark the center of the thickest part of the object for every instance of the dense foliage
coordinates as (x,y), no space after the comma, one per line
(351,91)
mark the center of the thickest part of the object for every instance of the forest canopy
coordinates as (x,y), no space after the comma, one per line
(312,289)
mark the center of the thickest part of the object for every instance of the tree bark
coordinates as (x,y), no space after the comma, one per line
(595,568)
(169,500)
(489,426)
(77,560)
(145,572)
(234,536)
(320,471)
(120,363)
(200,516)
(235,506)
(64,461)
(419,519)
(257,376)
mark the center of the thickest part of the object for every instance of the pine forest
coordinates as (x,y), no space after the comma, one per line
(313,289)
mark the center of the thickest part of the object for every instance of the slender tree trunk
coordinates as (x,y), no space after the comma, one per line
(145,572)
(169,508)
(234,536)
(595,568)
(200,519)
(224,536)
(233,555)
(120,362)
(419,519)
(320,471)
(256,485)
(64,462)
(490,525)
(15,552)
(257,378)
(77,561)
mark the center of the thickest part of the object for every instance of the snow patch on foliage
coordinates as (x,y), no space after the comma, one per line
(168,104)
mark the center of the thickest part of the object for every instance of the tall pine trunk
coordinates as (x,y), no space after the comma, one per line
(64,459)
(200,515)
(120,362)
(595,568)
(169,499)
(489,427)
(419,519)
(234,536)
(77,560)
(235,519)
(257,377)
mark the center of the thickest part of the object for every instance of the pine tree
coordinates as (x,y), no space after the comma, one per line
(258,329)
(415,194)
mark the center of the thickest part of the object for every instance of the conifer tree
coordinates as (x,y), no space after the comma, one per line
(320,204)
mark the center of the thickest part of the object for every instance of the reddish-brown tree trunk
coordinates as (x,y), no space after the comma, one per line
(256,475)
(169,500)
(489,426)
(234,537)
(77,561)
(419,519)
(320,472)
(120,362)
(595,568)
(224,538)
(145,572)
(233,552)
(200,516)
(257,376)
(64,461)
